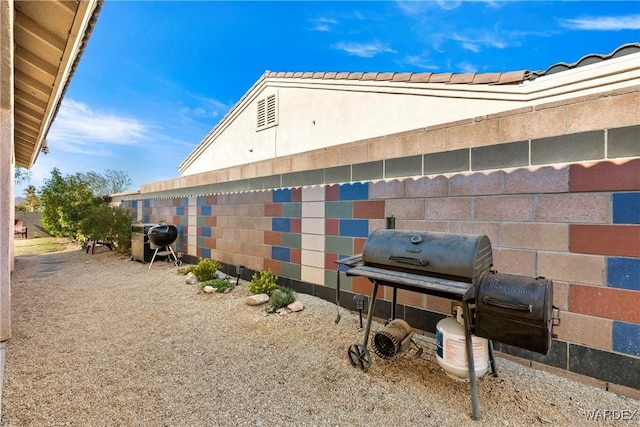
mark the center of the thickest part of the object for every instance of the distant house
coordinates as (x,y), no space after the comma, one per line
(546,164)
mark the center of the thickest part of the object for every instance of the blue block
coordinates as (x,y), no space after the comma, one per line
(205,231)
(623,273)
(205,253)
(281,224)
(179,210)
(342,267)
(281,254)
(201,200)
(282,195)
(626,208)
(354,227)
(184,201)
(626,338)
(145,218)
(134,204)
(355,191)
(205,210)
(146,203)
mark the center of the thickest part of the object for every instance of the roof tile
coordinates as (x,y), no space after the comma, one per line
(462,78)
(440,78)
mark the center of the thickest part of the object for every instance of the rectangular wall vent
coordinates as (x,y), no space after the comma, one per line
(267,112)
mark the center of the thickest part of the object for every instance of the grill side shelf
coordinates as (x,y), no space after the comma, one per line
(410,281)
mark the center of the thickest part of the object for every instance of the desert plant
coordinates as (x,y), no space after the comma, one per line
(281,297)
(185,270)
(263,283)
(206,269)
(220,285)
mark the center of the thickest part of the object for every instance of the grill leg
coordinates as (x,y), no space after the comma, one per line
(393,304)
(475,407)
(492,359)
(154,257)
(372,303)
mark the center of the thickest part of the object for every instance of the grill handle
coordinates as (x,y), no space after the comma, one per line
(507,304)
(408,260)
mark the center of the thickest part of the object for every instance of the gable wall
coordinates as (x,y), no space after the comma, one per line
(314,119)
(556,188)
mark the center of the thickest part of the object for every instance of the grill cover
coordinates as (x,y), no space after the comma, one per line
(462,257)
(515,310)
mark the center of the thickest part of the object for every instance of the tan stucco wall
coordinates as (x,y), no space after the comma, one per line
(609,109)
(6,166)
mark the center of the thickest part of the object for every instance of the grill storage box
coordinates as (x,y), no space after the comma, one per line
(140,245)
(515,310)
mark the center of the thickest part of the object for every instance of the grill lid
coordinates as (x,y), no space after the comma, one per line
(461,257)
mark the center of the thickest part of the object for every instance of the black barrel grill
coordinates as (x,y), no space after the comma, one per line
(511,309)
(161,237)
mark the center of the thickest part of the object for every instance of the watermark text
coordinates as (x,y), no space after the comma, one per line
(611,414)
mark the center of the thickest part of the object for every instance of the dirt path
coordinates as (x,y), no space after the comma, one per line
(100,340)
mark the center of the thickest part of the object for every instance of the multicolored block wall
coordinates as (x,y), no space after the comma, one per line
(578,225)
(556,187)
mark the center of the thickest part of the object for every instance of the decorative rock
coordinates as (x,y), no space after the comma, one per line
(208,289)
(296,306)
(221,275)
(257,299)
(191,279)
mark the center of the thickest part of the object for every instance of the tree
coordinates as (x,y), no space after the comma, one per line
(31,202)
(65,202)
(107,224)
(22,175)
(110,182)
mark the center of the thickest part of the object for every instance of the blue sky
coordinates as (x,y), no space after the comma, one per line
(156,77)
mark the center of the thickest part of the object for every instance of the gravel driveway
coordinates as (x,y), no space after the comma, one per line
(99,340)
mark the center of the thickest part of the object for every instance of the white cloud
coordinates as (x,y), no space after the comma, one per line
(363,50)
(77,128)
(476,40)
(323,24)
(603,23)
(467,67)
(421,61)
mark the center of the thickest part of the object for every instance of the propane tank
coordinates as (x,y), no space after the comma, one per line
(451,351)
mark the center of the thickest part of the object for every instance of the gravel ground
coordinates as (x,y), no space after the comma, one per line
(99,340)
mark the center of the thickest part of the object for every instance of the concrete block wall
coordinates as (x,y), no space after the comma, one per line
(556,188)
(579,228)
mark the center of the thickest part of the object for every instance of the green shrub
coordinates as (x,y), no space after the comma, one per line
(221,285)
(263,283)
(186,270)
(206,269)
(282,297)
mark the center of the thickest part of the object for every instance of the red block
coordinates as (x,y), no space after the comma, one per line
(274,266)
(609,303)
(331,226)
(296,194)
(273,209)
(329,259)
(272,238)
(295,256)
(368,209)
(296,225)
(332,193)
(618,240)
(605,176)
